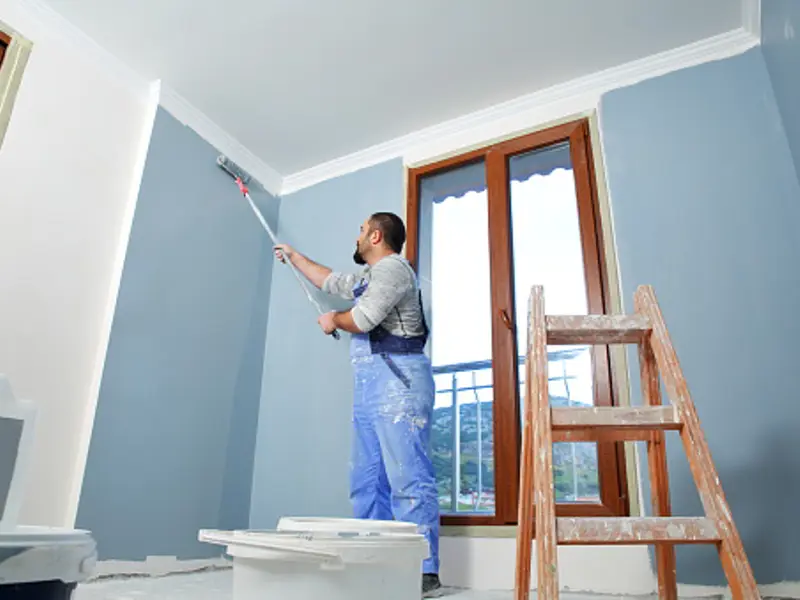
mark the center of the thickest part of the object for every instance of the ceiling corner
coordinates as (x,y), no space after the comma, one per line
(57,25)
(751,17)
(525,113)
(202,125)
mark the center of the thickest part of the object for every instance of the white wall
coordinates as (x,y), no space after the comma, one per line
(489,564)
(69,171)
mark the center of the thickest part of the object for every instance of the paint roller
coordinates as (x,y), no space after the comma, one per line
(242,178)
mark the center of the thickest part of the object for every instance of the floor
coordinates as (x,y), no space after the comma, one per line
(216,585)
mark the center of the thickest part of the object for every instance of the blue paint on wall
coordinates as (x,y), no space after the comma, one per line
(303,445)
(174,433)
(706,205)
(780,40)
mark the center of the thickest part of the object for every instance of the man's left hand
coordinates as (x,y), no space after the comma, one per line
(326,321)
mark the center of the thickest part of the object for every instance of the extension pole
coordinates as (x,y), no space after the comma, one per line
(273,237)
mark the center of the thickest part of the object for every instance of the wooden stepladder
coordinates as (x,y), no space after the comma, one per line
(543,425)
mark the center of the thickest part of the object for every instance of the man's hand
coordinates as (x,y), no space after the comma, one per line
(327,322)
(343,321)
(283,252)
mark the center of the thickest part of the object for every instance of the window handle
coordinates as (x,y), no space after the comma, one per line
(506,319)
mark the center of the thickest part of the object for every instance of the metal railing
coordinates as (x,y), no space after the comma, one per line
(556,356)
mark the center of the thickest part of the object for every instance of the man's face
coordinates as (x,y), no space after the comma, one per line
(362,243)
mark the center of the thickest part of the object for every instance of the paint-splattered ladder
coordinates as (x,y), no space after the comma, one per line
(544,425)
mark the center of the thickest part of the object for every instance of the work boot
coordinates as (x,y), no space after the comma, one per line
(430,585)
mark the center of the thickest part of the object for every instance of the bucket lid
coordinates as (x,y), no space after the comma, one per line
(26,536)
(318,546)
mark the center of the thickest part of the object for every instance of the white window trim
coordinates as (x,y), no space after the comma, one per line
(16,58)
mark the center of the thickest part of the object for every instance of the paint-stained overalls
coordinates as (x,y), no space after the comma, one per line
(391,474)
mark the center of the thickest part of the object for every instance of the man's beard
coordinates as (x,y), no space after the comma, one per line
(357,258)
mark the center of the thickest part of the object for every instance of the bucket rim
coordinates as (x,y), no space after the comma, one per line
(29,536)
(304,536)
(324,548)
(346,520)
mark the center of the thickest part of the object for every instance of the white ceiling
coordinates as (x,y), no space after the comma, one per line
(301,82)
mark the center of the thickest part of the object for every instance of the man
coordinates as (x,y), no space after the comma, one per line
(391,471)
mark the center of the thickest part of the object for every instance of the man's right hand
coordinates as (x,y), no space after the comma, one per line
(283,252)
(315,273)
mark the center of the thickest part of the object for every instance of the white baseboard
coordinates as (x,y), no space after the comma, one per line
(786,589)
(488,564)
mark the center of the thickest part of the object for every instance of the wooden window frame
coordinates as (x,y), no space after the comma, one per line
(506,403)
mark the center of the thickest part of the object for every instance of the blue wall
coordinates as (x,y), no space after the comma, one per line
(302,451)
(706,207)
(174,433)
(780,39)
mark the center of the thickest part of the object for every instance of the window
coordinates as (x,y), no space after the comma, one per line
(484,227)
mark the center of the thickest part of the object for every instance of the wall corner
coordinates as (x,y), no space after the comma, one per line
(149,113)
(751,17)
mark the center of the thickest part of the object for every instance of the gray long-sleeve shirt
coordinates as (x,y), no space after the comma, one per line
(390,300)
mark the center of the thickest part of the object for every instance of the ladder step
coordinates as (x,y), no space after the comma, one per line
(596,329)
(612,423)
(639,421)
(604,435)
(636,530)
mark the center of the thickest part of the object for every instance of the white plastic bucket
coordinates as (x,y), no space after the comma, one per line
(338,525)
(32,556)
(323,565)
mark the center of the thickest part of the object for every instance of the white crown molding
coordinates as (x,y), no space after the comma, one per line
(524,113)
(574,97)
(751,17)
(191,116)
(58,25)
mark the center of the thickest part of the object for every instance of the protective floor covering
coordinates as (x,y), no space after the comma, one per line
(216,585)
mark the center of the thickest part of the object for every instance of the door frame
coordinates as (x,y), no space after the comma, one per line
(613,481)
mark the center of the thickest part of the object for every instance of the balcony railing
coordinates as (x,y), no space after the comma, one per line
(477,499)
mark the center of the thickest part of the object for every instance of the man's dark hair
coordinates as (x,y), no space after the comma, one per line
(392,228)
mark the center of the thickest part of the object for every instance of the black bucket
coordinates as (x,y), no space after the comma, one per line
(37,590)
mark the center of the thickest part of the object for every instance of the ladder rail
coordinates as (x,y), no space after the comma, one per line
(525,520)
(544,492)
(732,554)
(666,569)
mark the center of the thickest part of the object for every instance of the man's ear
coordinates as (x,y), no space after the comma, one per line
(376,237)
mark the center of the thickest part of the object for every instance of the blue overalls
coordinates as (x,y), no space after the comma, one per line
(391,474)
